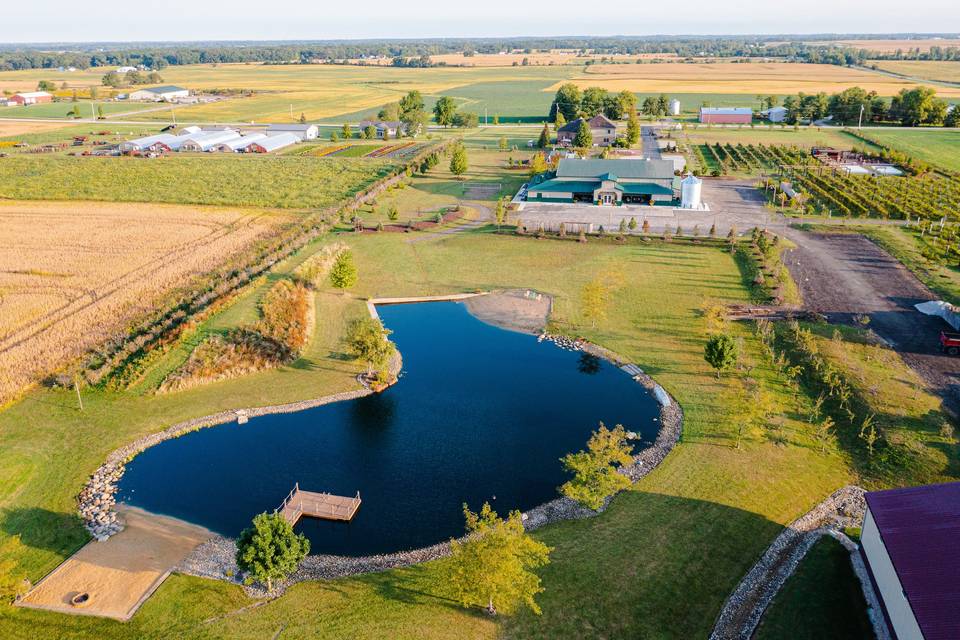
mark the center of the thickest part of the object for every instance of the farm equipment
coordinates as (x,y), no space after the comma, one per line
(950,343)
(79,140)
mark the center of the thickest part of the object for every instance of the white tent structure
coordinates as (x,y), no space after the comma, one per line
(239,144)
(942,309)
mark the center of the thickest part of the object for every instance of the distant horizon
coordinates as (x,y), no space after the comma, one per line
(822,35)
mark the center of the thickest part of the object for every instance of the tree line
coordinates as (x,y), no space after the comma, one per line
(909,108)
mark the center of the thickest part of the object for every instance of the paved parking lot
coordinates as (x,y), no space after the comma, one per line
(732,203)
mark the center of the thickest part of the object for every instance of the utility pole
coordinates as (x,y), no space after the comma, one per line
(76,387)
(860,121)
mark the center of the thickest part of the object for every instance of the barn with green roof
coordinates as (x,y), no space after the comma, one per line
(608,182)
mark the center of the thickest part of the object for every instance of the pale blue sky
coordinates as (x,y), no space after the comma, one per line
(165,20)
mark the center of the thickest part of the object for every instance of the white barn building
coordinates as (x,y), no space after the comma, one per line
(167,93)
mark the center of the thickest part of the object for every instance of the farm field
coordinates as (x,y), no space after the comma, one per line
(745,78)
(11,129)
(939,147)
(555,57)
(88,109)
(707,511)
(764,134)
(944,71)
(281,181)
(71,274)
(891,46)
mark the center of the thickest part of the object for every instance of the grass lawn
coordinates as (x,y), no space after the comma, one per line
(939,147)
(821,600)
(88,109)
(767,135)
(239,180)
(658,563)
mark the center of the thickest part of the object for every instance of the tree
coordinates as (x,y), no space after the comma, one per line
(303,118)
(412,114)
(100,115)
(628,102)
(343,273)
(370,132)
(346,132)
(584,138)
(594,298)
(46,85)
(544,140)
(334,136)
(503,144)
(493,564)
(501,211)
(633,128)
(538,164)
(444,110)
(466,119)
(595,475)
(270,550)
(663,105)
(458,160)
(367,340)
(559,121)
(593,102)
(720,352)
(566,102)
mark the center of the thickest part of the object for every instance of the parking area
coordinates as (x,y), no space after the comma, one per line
(736,203)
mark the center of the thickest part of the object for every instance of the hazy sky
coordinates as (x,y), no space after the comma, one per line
(113,20)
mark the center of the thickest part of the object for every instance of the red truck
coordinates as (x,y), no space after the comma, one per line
(950,343)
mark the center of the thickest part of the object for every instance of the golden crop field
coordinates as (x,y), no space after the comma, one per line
(12,128)
(72,273)
(928,69)
(747,78)
(891,46)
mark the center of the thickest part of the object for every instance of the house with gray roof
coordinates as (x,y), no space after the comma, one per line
(607,182)
(302,131)
(602,129)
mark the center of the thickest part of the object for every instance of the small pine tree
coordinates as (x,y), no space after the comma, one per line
(343,274)
(334,137)
(623,225)
(601,231)
(713,230)
(380,226)
(346,131)
(458,161)
(632,225)
(303,118)
(583,236)
(559,120)
(720,352)
(544,140)
(563,230)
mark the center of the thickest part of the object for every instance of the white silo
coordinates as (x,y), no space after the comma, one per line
(690,192)
(674,107)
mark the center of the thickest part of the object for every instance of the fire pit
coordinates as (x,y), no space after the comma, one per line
(80,600)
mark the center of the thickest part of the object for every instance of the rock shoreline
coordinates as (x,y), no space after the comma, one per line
(216,558)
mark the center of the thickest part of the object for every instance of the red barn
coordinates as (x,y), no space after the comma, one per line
(726,115)
(30,97)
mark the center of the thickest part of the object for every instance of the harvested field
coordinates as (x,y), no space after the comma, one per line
(891,46)
(943,71)
(750,78)
(8,128)
(72,273)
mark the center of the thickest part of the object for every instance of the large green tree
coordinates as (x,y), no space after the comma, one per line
(493,565)
(567,101)
(269,550)
(412,113)
(633,128)
(913,107)
(444,111)
(594,101)
(595,475)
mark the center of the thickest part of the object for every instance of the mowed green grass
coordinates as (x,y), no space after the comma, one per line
(659,562)
(767,135)
(939,147)
(88,109)
(823,599)
(248,180)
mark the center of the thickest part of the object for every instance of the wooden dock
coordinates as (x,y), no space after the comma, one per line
(300,503)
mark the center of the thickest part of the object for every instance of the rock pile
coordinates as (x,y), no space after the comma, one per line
(568,344)
(96,502)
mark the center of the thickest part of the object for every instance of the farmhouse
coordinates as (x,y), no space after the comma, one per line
(909,543)
(167,93)
(302,131)
(30,97)
(608,182)
(604,131)
(726,115)
(392,129)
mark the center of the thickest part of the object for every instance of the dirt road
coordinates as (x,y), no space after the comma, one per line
(841,275)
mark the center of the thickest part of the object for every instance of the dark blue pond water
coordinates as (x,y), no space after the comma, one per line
(479,414)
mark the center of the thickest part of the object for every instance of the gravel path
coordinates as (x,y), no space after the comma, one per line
(842,275)
(486,215)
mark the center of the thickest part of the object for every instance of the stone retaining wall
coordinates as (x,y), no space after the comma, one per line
(742,611)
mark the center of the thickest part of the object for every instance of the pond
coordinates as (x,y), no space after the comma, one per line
(479,414)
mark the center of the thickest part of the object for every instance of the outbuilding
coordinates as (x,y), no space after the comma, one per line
(272,143)
(775,114)
(909,542)
(30,97)
(388,128)
(207,140)
(238,145)
(726,115)
(302,131)
(167,93)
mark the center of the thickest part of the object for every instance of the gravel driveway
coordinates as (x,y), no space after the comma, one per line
(841,275)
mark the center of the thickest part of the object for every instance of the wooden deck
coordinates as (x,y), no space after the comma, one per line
(311,504)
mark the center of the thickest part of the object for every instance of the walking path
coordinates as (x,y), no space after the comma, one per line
(485,216)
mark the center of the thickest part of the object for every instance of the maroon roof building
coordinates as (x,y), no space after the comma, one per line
(911,543)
